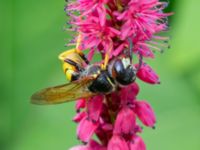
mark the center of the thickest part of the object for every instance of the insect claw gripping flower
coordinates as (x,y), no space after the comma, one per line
(105,27)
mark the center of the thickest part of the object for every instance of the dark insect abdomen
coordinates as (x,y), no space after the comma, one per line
(102,84)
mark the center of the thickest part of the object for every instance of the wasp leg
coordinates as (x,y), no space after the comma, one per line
(73,63)
(106,58)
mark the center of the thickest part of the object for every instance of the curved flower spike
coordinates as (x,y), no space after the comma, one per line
(105,26)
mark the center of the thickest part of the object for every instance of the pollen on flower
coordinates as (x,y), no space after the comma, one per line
(107,27)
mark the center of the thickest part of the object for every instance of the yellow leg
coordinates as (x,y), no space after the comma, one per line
(106,59)
(63,55)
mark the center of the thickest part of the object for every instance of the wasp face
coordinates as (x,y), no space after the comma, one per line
(123,71)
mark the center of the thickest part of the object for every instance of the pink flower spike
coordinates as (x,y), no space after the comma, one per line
(145,113)
(94,107)
(137,143)
(79,116)
(147,74)
(117,143)
(109,30)
(85,129)
(125,122)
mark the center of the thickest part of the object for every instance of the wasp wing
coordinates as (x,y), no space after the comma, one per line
(63,93)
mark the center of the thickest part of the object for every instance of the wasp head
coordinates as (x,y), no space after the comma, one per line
(123,71)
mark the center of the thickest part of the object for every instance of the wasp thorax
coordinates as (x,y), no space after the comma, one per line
(102,84)
(123,71)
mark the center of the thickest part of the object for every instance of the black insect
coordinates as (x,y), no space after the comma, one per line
(91,80)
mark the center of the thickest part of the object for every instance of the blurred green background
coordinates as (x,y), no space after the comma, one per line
(31,38)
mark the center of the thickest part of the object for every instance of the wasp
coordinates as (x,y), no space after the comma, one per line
(90,80)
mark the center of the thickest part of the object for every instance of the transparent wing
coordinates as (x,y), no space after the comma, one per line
(63,93)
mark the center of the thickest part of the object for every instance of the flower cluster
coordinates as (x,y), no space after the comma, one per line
(105,27)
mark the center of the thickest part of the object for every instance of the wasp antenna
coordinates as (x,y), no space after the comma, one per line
(130,48)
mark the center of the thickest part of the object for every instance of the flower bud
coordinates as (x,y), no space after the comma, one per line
(79,116)
(80,104)
(147,74)
(85,129)
(137,143)
(125,122)
(145,113)
(94,107)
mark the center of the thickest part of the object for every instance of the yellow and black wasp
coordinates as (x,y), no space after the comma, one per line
(89,80)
